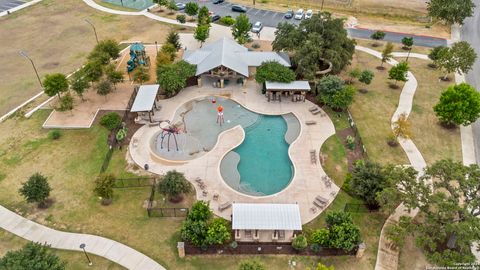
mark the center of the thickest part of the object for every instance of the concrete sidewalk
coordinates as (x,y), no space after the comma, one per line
(109,249)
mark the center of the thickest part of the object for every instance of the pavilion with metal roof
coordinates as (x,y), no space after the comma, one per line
(145,100)
(296,89)
(265,222)
(226,59)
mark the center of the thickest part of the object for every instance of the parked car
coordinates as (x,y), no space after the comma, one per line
(239,8)
(180,6)
(308,14)
(289,14)
(218,1)
(214,18)
(257,27)
(299,14)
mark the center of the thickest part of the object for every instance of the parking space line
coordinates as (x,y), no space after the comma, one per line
(268,11)
(258,10)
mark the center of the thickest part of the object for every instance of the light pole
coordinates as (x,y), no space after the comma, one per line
(94,30)
(323,1)
(24,54)
(82,246)
(156,47)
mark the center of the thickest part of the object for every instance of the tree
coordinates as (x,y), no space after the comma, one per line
(173,185)
(451,11)
(389,198)
(93,70)
(113,76)
(340,232)
(330,84)
(170,50)
(201,33)
(32,256)
(163,59)
(377,35)
(241,29)
(172,6)
(401,127)
(191,9)
(275,72)
(36,189)
(203,17)
(181,18)
(458,105)
(399,72)
(368,179)
(251,265)
(104,185)
(54,84)
(459,58)
(366,77)
(79,83)
(172,78)
(397,233)
(104,88)
(434,55)
(200,211)
(141,75)
(407,43)
(449,207)
(195,227)
(161,3)
(334,93)
(174,39)
(217,232)
(109,47)
(66,103)
(299,243)
(315,41)
(354,74)
(387,53)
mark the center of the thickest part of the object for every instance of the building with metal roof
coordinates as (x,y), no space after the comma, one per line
(145,100)
(265,222)
(226,59)
(296,89)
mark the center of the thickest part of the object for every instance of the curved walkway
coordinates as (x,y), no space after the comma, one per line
(109,249)
(387,258)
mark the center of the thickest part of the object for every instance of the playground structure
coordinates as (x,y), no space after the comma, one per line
(138,56)
(168,130)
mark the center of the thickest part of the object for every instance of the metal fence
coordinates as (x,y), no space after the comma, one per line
(135,182)
(167,212)
(356,133)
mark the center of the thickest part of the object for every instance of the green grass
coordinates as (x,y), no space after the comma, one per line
(335,159)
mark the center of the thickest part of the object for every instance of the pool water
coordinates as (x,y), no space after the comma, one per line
(259,166)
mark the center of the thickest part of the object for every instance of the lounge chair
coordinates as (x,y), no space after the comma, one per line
(204,193)
(313,156)
(313,209)
(215,196)
(319,205)
(224,206)
(314,108)
(317,111)
(310,122)
(321,200)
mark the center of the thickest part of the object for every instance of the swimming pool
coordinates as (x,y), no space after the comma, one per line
(259,166)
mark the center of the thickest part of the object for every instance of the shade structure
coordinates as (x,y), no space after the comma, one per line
(145,98)
(266,216)
(291,86)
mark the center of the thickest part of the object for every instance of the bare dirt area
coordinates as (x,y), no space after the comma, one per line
(57,38)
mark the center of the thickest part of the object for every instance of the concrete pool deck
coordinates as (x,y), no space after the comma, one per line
(306,183)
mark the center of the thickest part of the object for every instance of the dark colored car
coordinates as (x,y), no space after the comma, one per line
(289,14)
(239,8)
(215,18)
(218,1)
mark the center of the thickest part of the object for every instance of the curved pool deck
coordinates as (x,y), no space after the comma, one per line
(306,183)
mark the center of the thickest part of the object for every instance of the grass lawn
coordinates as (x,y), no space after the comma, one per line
(372,112)
(75,260)
(397,47)
(57,38)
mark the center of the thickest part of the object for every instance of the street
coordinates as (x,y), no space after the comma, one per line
(470,33)
(273,18)
(8,4)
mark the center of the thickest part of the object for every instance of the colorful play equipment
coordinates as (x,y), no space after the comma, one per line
(220,119)
(138,56)
(168,130)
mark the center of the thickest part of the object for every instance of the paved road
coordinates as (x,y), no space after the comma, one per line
(8,4)
(471,32)
(273,18)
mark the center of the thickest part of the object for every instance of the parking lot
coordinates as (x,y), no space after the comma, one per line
(8,4)
(267,17)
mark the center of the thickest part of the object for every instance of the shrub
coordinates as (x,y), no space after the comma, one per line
(350,142)
(366,77)
(300,243)
(368,178)
(341,232)
(217,232)
(104,88)
(392,140)
(251,265)
(54,134)
(458,105)
(174,39)
(181,18)
(227,20)
(66,103)
(104,187)
(36,189)
(111,120)
(121,134)
(275,72)
(32,256)
(378,35)
(255,45)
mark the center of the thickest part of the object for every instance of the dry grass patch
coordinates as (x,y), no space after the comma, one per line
(397,47)
(57,38)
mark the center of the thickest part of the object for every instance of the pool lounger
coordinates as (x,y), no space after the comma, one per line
(314,108)
(321,200)
(224,206)
(310,122)
(319,205)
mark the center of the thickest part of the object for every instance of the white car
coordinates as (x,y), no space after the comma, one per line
(257,27)
(299,14)
(308,14)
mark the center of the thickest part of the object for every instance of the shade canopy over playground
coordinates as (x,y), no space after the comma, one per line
(145,99)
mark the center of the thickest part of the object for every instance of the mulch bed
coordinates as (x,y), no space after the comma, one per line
(356,153)
(129,121)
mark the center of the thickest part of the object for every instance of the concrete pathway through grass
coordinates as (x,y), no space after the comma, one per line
(109,249)
(387,257)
